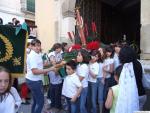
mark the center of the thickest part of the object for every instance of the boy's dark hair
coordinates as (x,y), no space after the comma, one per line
(56,46)
(118,70)
(35,41)
(72,64)
(86,56)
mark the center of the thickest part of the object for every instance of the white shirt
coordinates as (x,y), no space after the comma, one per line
(94,67)
(108,62)
(100,73)
(83,71)
(71,85)
(54,79)
(8,104)
(34,60)
(116,60)
(57,57)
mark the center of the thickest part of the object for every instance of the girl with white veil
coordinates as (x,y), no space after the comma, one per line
(128,97)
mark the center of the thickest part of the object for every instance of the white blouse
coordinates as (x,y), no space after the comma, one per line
(11,103)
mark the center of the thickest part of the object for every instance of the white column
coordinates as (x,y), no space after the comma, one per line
(145,29)
(68,25)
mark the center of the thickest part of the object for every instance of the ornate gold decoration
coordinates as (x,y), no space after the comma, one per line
(16,61)
(8,47)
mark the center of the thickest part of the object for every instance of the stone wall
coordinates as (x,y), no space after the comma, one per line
(145,29)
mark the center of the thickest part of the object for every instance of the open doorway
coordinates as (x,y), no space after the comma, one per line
(114,19)
(120,19)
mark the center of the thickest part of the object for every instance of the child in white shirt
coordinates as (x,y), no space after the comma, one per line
(92,85)
(72,87)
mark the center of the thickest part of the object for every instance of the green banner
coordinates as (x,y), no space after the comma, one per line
(12,49)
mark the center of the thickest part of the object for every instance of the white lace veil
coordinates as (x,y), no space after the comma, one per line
(128,100)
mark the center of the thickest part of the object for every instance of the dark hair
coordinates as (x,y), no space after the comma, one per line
(1,21)
(17,22)
(118,70)
(94,52)
(100,57)
(86,56)
(35,41)
(56,46)
(72,64)
(118,44)
(63,45)
(110,49)
(14,19)
(3,96)
(127,54)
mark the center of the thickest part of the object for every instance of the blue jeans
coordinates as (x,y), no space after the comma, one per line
(72,106)
(36,88)
(100,90)
(92,94)
(83,98)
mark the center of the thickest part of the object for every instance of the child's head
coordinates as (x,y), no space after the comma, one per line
(117,47)
(127,54)
(5,80)
(71,67)
(94,55)
(64,46)
(36,45)
(100,57)
(109,52)
(118,72)
(57,47)
(83,56)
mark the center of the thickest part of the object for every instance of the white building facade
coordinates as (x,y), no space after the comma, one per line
(15,9)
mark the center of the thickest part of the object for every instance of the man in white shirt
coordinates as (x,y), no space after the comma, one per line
(34,75)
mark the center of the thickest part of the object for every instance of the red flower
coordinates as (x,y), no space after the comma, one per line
(74,47)
(93,45)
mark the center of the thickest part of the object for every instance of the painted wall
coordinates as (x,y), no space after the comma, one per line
(45,17)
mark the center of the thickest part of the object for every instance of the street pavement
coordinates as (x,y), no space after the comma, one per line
(27,108)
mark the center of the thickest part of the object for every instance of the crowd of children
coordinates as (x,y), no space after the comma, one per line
(109,79)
